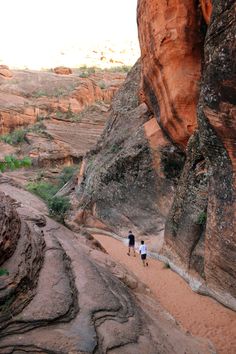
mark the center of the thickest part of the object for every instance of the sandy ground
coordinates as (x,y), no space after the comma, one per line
(200,315)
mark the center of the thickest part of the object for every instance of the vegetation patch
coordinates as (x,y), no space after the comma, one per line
(3,271)
(11,162)
(66,174)
(69,115)
(44,190)
(58,206)
(202,217)
(102,85)
(18,136)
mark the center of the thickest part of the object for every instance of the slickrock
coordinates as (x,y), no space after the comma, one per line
(47,302)
(64,115)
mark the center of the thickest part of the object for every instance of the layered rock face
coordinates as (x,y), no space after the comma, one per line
(200,230)
(63,115)
(171,44)
(217,130)
(170,141)
(123,185)
(59,295)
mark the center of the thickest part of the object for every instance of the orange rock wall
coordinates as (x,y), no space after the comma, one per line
(171,63)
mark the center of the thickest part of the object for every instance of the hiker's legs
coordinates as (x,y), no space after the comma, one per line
(133,251)
(143,257)
(128,251)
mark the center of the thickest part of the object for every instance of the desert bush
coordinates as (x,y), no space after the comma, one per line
(3,271)
(102,85)
(11,162)
(66,174)
(58,207)
(201,220)
(14,138)
(44,190)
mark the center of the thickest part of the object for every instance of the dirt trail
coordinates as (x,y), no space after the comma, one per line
(200,315)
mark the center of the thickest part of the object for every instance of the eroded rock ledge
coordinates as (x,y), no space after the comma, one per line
(61,296)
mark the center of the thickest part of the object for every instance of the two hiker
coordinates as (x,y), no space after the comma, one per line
(142,248)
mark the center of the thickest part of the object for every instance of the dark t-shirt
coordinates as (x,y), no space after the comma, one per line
(131,240)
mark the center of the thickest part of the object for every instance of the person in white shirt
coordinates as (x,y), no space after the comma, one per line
(143,253)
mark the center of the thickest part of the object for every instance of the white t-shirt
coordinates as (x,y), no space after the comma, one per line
(143,249)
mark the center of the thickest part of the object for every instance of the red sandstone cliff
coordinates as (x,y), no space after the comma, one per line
(166,157)
(200,230)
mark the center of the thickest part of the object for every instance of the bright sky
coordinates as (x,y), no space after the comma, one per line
(37,31)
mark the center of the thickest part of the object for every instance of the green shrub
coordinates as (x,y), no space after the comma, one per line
(39,93)
(14,138)
(120,68)
(66,174)
(58,207)
(201,220)
(102,85)
(12,163)
(44,190)
(115,148)
(3,271)
(84,75)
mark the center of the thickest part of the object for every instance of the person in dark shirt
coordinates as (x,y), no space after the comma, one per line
(131,243)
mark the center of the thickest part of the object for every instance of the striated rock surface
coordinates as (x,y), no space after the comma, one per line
(62,116)
(171,46)
(123,184)
(217,130)
(200,239)
(47,302)
(166,159)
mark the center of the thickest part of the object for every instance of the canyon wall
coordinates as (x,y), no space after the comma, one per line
(166,159)
(176,51)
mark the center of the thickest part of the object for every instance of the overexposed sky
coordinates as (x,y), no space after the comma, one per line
(34,30)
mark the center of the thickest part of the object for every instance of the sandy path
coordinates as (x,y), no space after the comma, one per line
(200,315)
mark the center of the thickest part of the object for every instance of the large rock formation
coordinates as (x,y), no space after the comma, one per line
(206,191)
(166,156)
(59,295)
(120,177)
(171,45)
(66,114)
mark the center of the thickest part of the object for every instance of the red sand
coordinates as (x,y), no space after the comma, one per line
(200,315)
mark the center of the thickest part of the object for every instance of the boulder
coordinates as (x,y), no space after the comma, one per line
(62,70)
(5,72)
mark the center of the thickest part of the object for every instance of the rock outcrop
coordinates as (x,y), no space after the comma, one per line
(5,72)
(62,116)
(200,230)
(120,177)
(62,70)
(171,46)
(167,155)
(59,295)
